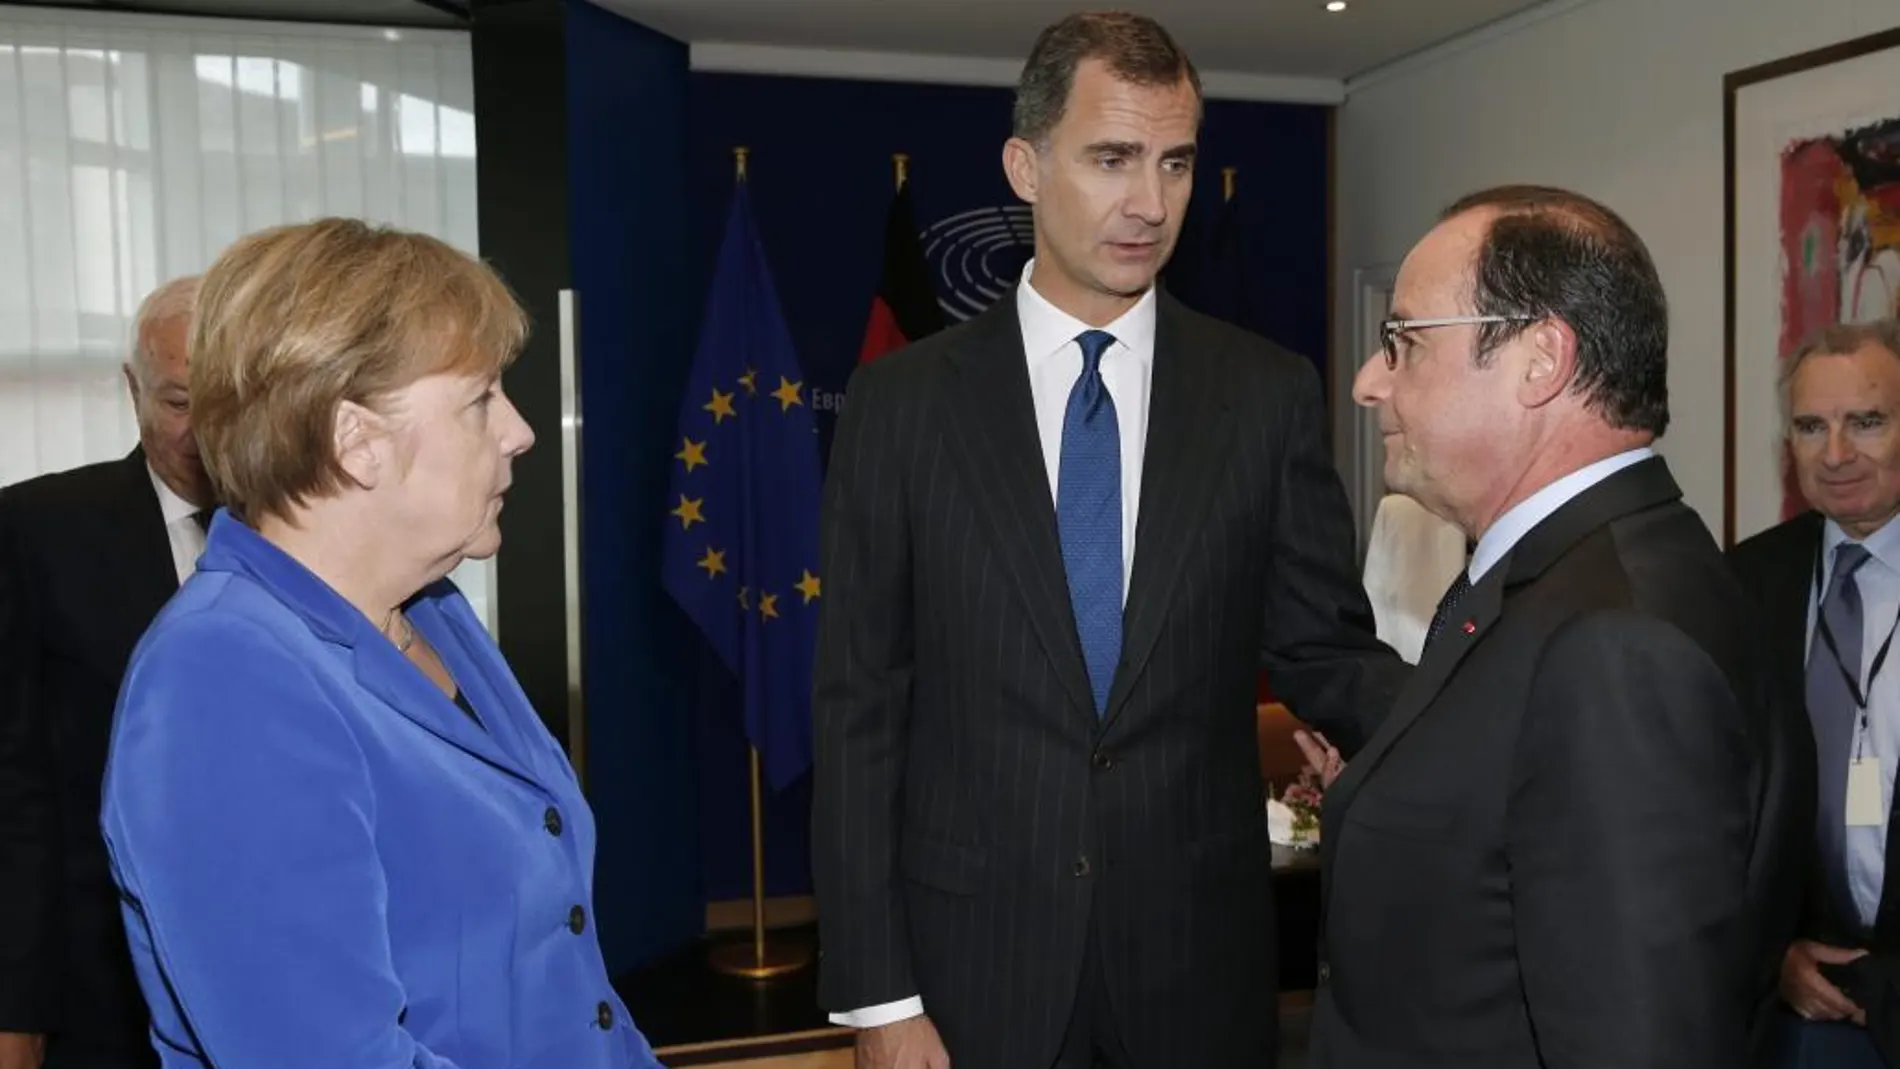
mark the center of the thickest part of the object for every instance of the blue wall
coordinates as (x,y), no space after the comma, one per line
(627,108)
(821,179)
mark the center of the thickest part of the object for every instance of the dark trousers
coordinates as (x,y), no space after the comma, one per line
(1092,1041)
(1825,1045)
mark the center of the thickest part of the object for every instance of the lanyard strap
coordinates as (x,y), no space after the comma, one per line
(1850,676)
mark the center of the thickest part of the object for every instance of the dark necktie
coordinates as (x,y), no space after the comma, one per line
(1446,606)
(1832,709)
(202,518)
(1089,516)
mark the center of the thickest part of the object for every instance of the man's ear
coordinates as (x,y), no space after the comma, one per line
(1552,365)
(1022,169)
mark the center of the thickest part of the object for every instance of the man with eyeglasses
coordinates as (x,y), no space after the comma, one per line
(1572,842)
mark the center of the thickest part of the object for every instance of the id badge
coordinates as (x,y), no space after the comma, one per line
(1863,793)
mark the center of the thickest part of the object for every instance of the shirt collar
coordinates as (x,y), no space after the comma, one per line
(1046,328)
(1883,545)
(1533,510)
(175,508)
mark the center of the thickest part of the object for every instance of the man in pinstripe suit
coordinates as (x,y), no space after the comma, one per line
(1059,541)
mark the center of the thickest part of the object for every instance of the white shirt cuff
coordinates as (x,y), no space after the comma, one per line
(881,1015)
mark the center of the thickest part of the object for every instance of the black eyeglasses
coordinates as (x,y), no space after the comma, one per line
(1390,329)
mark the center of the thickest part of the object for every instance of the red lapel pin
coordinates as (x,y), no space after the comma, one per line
(1470,628)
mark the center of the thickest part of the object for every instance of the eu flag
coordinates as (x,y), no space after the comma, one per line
(741,553)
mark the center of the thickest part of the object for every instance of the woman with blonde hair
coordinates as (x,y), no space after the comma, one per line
(343,836)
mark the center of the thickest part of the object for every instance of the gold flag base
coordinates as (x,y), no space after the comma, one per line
(755,961)
(758,959)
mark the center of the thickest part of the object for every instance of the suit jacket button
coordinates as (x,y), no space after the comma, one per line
(604,1015)
(1103,761)
(1325,972)
(552,821)
(1082,866)
(577,920)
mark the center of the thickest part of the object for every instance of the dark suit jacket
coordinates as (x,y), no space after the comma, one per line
(1571,842)
(1776,568)
(972,816)
(85,565)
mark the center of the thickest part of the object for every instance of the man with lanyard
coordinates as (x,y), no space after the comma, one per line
(1828,582)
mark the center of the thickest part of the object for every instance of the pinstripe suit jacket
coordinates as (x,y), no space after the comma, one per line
(972,814)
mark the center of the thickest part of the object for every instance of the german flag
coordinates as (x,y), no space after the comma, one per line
(905,308)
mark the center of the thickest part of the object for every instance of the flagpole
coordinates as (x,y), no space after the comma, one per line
(901,161)
(758,960)
(1227,182)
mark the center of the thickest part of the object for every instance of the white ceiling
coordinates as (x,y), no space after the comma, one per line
(1270,37)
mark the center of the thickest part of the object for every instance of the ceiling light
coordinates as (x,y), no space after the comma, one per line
(1336,6)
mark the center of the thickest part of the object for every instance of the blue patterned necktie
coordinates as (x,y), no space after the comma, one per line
(1089,515)
(1833,710)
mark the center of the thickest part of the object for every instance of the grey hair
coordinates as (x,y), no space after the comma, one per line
(172,301)
(1837,339)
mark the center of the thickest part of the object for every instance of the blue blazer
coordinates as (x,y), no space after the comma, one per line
(325,862)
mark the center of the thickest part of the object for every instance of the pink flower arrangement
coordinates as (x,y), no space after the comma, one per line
(1304,796)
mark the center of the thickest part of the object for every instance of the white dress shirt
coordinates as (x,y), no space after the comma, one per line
(1878,582)
(187,538)
(1055,362)
(1511,527)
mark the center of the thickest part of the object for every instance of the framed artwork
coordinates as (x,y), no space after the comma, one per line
(1812,206)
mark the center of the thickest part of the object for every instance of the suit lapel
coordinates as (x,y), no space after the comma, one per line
(1188,431)
(387,674)
(1887,913)
(1477,613)
(485,680)
(993,415)
(376,665)
(145,561)
(1787,600)
(1645,484)
(1785,590)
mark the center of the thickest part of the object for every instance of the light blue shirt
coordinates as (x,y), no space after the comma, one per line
(1879,584)
(1511,527)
